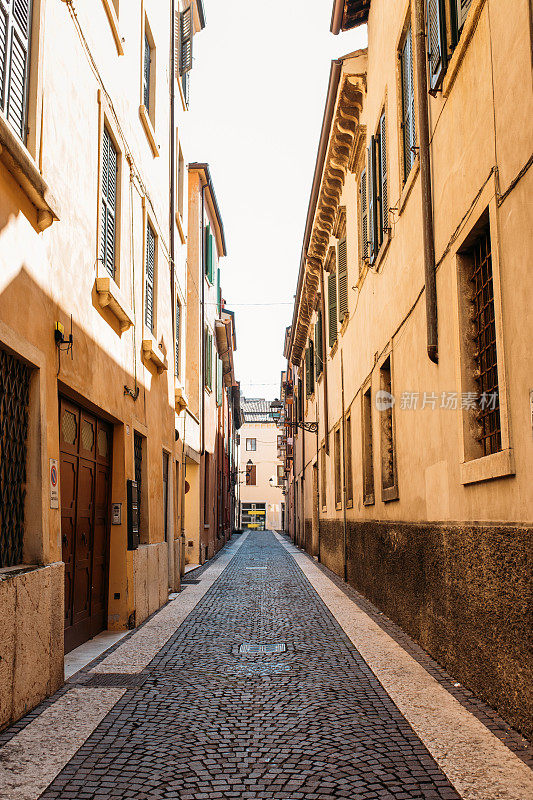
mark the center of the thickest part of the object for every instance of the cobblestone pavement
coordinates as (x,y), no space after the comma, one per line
(207,720)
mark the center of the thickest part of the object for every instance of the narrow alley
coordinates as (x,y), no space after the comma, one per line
(265,678)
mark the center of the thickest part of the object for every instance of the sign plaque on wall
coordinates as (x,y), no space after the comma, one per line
(116,514)
(54,484)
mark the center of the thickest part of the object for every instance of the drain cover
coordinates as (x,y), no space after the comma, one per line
(257,649)
(118,680)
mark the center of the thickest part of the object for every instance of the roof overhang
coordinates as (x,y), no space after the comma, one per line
(340,140)
(224,343)
(211,198)
(347,14)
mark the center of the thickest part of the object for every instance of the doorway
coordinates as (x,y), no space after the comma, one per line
(85,445)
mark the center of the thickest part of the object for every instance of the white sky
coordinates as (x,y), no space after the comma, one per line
(258,89)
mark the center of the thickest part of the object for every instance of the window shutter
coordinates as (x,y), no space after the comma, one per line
(220,378)
(383,180)
(14,66)
(408,105)
(212,260)
(332,308)
(342,272)
(319,353)
(311,367)
(463,7)
(364,215)
(149,279)
(307,372)
(208,247)
(210,352)
(109,203)
(146,73)
(186,37)
(437,53)
(372,201)
(219,293)
(178,338)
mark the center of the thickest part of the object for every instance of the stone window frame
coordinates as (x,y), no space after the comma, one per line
(145,516)
(348,456)
(474,469)
(148,116)
(367,443)
(149,219)
(390,492)
(106,120)
(337,465)
(323,477)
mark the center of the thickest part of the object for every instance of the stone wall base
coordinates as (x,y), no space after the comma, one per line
(462,592)
(31,639)
(150,574)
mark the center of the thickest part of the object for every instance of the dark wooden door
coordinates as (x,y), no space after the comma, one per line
(85,449)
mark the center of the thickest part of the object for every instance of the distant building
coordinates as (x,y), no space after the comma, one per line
(261,471)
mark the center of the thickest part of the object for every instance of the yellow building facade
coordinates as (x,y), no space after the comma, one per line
(410,340)
(92,335)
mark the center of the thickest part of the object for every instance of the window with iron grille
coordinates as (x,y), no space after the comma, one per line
(15,33)
(408,104)
(149,287)
(108,219)
(368,452)
(138,465)
(388,455)
(14,401)
(485,360)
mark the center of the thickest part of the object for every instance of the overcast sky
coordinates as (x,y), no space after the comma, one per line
(258,89)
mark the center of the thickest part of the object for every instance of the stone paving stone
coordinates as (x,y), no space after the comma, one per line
(310,723)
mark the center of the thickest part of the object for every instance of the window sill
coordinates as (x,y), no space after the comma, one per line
(497,465)
(183,101)
(334,349)
(344,324)
(110,296)
(181,401)
(17,159)
(391,493)
(349,504)
(149,130)
(381,252)
(152,352)
(338,506)
(181,228)
(369,501)
(113,22)
(456,60)
(408,185)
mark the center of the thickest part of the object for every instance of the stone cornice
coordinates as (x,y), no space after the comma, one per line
(344,141)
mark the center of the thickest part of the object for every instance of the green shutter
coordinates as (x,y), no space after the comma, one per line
(209,253)
(364,215)
(311,367)
(383,179)
(220,379)
(109,203)
(186,39)
(332,308)
(372,201)
(437,47)
(149,279)
(319,351)
(408,105)
(14,62)
(342,273)
(219,293)
(210,360)
(146,72)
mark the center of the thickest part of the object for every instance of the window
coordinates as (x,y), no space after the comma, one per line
(219,293)
(280,440)
(364,217)
(220,380)
(377,189)
(408,104)
(337,455)
(178,339)
(108,218)
(15,31)
(281,474)
(388,457)
(208,360)
(484,360)
(368,455)
(147,70)
(348,460)
(181,181)
(141,474)
(445,21)
(309,369)
(186,34)
(323,476)
(342,277)
(332,308)
(165,495)
(251,444)
(251,474)
(149,286)
(319,350)
(209,254)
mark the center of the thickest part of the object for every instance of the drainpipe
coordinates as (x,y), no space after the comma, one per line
(425,177)
(173,242)
(202,332)
(345,537)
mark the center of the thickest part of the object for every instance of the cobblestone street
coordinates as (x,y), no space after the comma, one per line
(209,717)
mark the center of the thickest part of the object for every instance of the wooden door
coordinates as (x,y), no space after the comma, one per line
(85,453)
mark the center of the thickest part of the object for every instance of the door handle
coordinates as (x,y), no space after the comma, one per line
(64,539)
(84,539)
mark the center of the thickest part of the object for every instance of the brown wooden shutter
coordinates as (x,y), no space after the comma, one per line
(342,273)
(332,308)
(186,37)
(149,279)
(437,49)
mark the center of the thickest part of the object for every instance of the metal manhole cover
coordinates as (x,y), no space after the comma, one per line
(117,680)
(257,649)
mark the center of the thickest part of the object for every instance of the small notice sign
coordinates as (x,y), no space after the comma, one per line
(54,484)
(116,514)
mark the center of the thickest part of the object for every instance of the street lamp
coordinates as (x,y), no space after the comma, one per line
(275,411)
